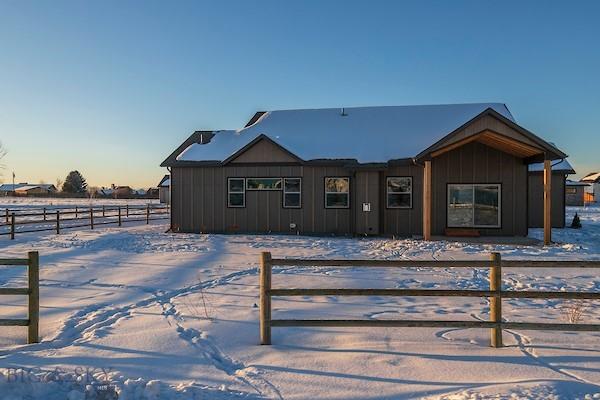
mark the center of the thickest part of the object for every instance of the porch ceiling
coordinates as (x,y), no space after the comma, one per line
(498,141)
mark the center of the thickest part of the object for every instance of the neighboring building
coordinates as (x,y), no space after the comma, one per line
(164,190)
(24,189)
(575,193)
(593,190)
(560,170)
(408,170)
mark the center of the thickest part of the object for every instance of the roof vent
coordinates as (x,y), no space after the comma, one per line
(205,137)
(343,112)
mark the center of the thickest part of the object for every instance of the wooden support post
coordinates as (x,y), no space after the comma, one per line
(265,298)
(496,301)
(12,226)
(58,222)
(427,201)
(147,214)
(119,216)
(547,202)
(91,217)
(33,335)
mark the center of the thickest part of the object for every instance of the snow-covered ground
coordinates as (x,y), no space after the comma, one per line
(159,316)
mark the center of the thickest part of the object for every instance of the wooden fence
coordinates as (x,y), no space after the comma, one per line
(495,293)
(57,219)
(32,292)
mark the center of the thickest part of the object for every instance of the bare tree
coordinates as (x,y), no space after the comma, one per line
(59,183)
(3,153)
(574,310)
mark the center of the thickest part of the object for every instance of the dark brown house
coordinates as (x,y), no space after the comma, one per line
(407,170)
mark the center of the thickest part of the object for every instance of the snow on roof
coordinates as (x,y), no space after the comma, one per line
(575,183)
(593,177)
(558,165)
(9,187)
(165,181)
(367,134)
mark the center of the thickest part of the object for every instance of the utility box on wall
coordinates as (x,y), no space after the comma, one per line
(367,207)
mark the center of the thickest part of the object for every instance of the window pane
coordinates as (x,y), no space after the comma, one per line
(486,205)
(292,184)
(291,200)
(236,185)
(337,200)
(337,185)
(236,200)
(396,200)
(460,205)
(399,185)
(263,183)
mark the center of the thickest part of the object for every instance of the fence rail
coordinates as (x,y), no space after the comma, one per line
(57,219)
(495,294)
(32,291)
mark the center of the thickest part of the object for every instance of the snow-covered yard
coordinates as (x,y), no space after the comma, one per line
(162,316)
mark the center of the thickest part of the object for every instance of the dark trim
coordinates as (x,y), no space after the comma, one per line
(385,187)
(349,192)
(477,227)
(255,118)
(283,192)
(254,141)
(167,176)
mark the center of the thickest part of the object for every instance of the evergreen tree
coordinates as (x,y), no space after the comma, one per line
(74,183)
(576,222)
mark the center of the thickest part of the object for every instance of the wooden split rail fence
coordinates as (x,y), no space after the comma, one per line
(495,293)
(48,219)
(32,291)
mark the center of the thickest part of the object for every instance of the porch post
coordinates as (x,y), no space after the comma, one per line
(547,202)
(427,201)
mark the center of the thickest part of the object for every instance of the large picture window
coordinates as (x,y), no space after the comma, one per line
(236,194)
(292,192)
(474,206)
(337,192)
(399,192)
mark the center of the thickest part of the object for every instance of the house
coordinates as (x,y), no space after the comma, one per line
(25,189)
(394,170)
(575,193)
(593,179)
(560,170)
(164,190)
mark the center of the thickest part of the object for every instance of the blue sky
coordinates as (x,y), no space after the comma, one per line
(112,87)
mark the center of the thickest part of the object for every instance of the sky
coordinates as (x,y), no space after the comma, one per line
(111,88)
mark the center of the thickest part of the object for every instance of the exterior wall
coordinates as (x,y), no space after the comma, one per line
(199,201)
(478,163)
(367,190)
(404,221)
(536,200)
(577,198)
(264,151)
(164,195)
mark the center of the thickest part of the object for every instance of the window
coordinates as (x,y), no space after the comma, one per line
(474,206)
(292,192)
(236,195)
(399,192)
(571,190)
(263,183)
(337,192)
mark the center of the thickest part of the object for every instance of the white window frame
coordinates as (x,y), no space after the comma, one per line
(229,192)
(284,205)
(346,193)
(473,186)
(387,192)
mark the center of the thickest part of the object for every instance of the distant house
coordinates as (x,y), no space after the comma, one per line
(560,170)
(575,193)
(164,190)
(593,189)
(24,189)
(457,169)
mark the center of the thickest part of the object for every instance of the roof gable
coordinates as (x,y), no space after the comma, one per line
(262,150)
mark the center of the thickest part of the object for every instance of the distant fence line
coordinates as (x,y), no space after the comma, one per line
(59,218)
(495,295)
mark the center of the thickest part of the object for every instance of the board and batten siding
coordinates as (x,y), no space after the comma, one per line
(477,163)
(536,200)
(404,221)
(199,197)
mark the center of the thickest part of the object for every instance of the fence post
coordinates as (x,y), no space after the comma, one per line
(44,213)
(496,299)
(58,222)
(103,211)
(76,213)
(127,210)
(33,335)
(7,215)
(92,217)
(12,226)
(265,297)
(147,214)
(119,215)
